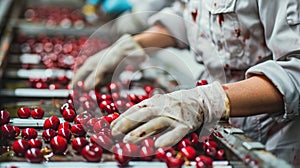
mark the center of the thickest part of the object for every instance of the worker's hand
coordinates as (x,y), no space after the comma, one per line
(115,6)
(179,113)
(125,51)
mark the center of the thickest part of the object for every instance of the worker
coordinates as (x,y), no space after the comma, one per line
(252,46)
(130,15)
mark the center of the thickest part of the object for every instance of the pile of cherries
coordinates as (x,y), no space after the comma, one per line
(60,82)
(54,16)
(59,51)
(86,132)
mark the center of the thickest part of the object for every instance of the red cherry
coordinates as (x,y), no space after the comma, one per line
(211,151)
(65,125)
(92,153)
(105,97)
(102,123)
(51,122)
(111,117)
(78,130)
(194,139)
(203,161)
(220,154)
(115,96)
(120,157)
(113,87)
(201,82)
(146,153)
(82,118)
(24,112)
(88,106)
(160,154)
(105,131)
(54,86)
(91,123)
(8,131)
(69,115)
(189,152)
(184,143)
(16,130)
(37,113)
(133,98)
(20,146)
(78,144)
(58,144)
(65,132)
(103,141)
(4,117)
(48,134)
(65,106)
(149,142)
(34,155)
(148,89)
(174,162)
(41,85)
(131,150)
(35,143)
(29,133)
(207,144)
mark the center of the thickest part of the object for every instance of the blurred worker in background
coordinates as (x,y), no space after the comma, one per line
(132,14)
(257,39)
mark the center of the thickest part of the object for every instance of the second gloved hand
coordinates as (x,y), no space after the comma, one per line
(124,51)
(115,6)
(179,112)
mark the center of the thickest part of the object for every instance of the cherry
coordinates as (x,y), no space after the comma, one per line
(115,96)
(120,157)
(148,89)
(92,153)
(24,112)
(201,82)
(54,86)
(58,144)
(8,131)
(105,131)
(16,130)
(131,149)
(160,154)
(133,98)
(4,117)
(220,154)
(173,162)
(35,143)
(207,144)
(48,134)
(203,161)
(34,155)
(146,153)
(37,113)
(102,123)
(51,122)
(78,130)
(148,142)
(65,132)
(78,144)
(184,143)
(210,151)
(41,85)
(189,152)
(20,146)
(91,123)
(29,133)
(110,108)
(194,139)
(103,141)
(105,97)
(65,125)
(82,118)
(69,115)
(65,106)
(111,117)
(113,87)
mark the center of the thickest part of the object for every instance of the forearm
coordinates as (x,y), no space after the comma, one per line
(157,36)
(252,96)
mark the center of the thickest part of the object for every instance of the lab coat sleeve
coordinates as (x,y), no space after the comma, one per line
(281,21)
(171,18)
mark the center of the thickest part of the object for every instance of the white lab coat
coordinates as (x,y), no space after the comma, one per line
(232,38)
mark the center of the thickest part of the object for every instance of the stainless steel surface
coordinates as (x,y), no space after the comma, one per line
(38,93)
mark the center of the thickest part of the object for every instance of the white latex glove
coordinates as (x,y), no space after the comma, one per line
(125,50)
(181,112)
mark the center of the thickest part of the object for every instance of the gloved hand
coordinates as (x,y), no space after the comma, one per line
(181,112)
(115,6)
(125,50)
